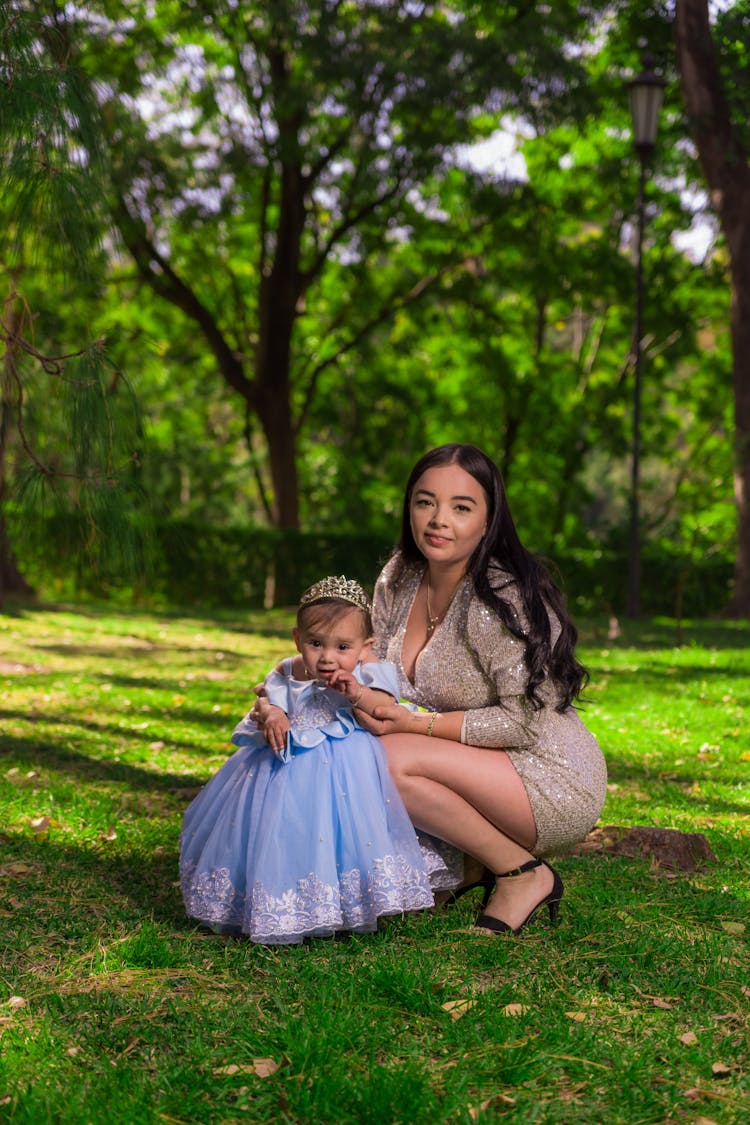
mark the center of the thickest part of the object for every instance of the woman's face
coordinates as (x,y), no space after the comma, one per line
(448,511)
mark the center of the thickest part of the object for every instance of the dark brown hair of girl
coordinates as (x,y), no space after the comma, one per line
(326,612)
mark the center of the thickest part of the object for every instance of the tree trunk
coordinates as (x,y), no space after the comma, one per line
(725,166)
(280,291)
(12,582)
(11,579)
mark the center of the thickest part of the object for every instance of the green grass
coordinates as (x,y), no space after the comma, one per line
(113,1008)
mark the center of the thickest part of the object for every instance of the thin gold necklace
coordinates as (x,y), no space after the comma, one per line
(434,621)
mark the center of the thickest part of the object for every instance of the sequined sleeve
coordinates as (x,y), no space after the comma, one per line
(513,722)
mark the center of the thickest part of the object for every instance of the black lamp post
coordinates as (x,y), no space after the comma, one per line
(646,93)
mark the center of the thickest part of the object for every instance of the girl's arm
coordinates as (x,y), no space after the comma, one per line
(380,713)
(276,727)
(361,697)
(271,719)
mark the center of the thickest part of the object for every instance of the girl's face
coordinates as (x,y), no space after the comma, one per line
(334,645)
(448,512)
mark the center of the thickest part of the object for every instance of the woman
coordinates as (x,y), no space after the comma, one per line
(501,765)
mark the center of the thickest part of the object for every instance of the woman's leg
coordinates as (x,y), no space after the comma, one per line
(474,799)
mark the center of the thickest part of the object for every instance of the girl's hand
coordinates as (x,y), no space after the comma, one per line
(261,709)
(387,718)
(346,683)
(276,728)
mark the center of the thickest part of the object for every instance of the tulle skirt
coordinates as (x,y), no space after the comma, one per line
(319,844)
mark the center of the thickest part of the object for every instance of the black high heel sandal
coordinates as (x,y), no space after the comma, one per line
(551,901)
(487,881)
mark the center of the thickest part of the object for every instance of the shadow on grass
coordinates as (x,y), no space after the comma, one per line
(52,756)
(243,620)
(83,888)
(204,718)
(128,652)
(87,881)
(664,634)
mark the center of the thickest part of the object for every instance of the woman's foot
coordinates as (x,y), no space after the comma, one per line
(519,894)
(475,875)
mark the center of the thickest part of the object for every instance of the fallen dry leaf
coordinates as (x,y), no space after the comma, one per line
(489,1103)
(659,1003)
(264,1067)
(15,869)
(733,927)
(41,824)
(108,836)
(579,1017)
(720,1070)
(571,1093)
(16,1002)
(694,1094)
(515,1010)
(689,1039)
(458,1008)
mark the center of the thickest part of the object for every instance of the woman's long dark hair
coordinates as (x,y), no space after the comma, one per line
(537,589)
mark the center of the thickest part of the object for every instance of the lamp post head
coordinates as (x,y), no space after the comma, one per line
(646,95)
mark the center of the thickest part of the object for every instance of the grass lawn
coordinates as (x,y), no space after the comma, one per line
(114,1008)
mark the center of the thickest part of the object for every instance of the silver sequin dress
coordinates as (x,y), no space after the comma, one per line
(472,663)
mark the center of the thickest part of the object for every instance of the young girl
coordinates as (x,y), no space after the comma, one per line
(302,832)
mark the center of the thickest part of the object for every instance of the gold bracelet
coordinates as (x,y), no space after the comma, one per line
(361,693)
(431,723)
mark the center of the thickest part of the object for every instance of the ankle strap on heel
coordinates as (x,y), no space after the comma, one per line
(532,863)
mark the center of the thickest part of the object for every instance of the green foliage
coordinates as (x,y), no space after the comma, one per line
(732,35)
(193,563)
(89,478)
(460,306)
(49,183)
(51,160)
(116,1009)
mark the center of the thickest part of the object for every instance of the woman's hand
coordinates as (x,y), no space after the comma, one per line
(387,718)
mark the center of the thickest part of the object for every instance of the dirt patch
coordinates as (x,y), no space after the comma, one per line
(665,847)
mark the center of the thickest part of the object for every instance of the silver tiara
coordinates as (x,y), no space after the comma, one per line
(346,589)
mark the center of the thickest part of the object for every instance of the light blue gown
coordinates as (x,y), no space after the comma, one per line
(310,842)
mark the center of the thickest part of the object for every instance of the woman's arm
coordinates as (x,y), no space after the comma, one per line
(392,718)
(510,721)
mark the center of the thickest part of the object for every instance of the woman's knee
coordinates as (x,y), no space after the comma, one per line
(396,751)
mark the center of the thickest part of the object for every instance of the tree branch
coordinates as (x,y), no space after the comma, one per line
(381,317)
(169,285)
